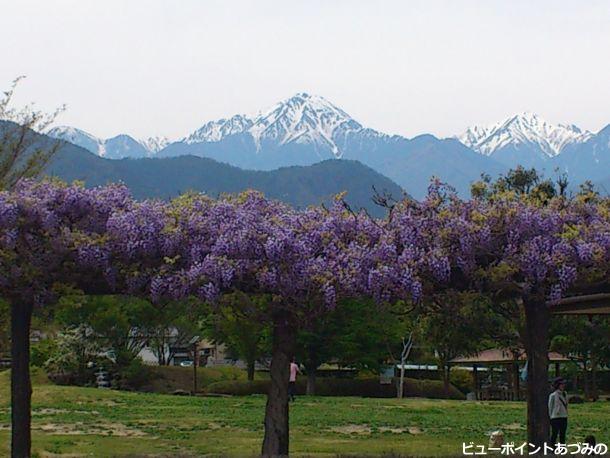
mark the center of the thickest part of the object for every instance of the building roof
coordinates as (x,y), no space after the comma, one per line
(502,355)
(434,367)
(591,304)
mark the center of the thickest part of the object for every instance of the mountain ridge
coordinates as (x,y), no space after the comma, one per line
(305,129)
(526,127)
(166,178)
(118,147)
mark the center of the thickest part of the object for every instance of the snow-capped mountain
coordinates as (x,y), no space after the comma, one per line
(119,147)
(512,140)
(306,129)
(302,119)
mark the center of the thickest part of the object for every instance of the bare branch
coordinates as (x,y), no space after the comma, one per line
(23,154)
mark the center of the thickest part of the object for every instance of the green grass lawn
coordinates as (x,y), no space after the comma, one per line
(92,422)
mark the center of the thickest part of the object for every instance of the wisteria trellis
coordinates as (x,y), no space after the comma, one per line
(101,240)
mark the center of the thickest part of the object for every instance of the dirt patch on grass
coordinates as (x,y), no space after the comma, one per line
(513,427)
(395,430)
(352,429)
(389,429)
(109,403)
(62,455)
(100,429)
(49,411)
(213,426)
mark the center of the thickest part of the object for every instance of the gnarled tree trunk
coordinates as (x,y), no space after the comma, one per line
(21,386)
(275,442)
(536,341)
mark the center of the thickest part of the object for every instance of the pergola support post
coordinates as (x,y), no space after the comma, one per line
(475,381)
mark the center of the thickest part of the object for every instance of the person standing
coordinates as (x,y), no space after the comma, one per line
(558,411)
(294,370)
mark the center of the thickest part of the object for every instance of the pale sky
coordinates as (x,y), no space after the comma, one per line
(161,67)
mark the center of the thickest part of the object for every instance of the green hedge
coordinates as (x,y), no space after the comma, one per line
(370,388)
(167,379)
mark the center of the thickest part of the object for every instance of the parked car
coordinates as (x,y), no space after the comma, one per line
(187,363)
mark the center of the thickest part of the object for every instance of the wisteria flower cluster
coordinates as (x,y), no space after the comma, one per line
(43,226)
(103,239)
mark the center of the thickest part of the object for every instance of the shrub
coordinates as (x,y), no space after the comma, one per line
(462,380)
(603,380)
(42,351)
(369,387)
(575,400)
(242,387)
(133,375)
(64,378)
(69,362)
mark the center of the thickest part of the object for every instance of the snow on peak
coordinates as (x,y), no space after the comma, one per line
(113,148)
(302,118)
(523,129)
(68,131)
(215,131)
(78,137)
(154,144)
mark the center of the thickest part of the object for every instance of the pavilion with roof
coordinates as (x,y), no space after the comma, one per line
(510,359)
(589,305)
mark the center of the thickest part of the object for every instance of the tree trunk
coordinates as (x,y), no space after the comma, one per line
(161,356)
(311,380)
(475,381)
(446,379)
(250,370)
(275,442)
(401,380)
(515,381)
(169,357)
(575,382)
(594,393)
(537,318)
(585,380)
(21,386)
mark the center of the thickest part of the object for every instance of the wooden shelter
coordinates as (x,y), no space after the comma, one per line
(589,304)
(509,358)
